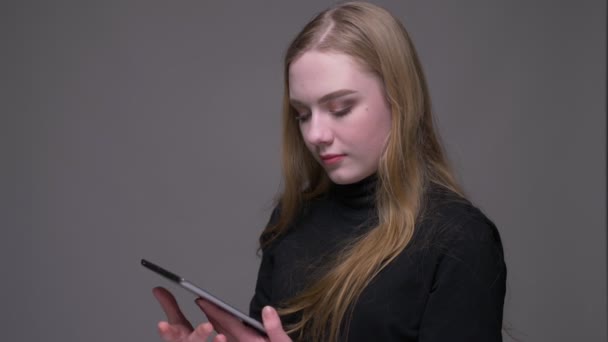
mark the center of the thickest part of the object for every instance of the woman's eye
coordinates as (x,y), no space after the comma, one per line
(302,117)
(342,112)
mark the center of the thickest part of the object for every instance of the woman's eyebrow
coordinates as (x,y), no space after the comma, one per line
(325,98)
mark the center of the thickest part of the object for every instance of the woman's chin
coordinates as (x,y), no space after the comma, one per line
(343,178)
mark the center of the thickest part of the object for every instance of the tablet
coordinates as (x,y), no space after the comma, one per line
(206,295)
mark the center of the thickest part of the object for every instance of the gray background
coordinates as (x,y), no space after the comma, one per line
(151,129)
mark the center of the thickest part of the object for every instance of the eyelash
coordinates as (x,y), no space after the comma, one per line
(342,112)
(301,118)
(304,117)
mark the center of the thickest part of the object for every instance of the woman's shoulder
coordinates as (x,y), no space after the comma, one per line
(273,235)
(448,216)
(269,237)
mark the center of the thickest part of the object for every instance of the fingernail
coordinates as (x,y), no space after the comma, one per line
(268,312)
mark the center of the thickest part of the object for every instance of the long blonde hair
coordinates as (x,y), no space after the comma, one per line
(413,158)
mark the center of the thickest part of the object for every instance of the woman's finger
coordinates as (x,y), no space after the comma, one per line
(170,307)
(176,333)
(273,326)
(201,333)
(218,327)
(220,338)
(172,333)
(231,326)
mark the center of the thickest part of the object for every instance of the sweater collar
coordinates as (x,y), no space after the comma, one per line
(359,195)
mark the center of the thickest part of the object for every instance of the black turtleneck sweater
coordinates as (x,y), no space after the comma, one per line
(447,285)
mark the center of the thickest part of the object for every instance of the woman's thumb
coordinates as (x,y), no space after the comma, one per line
(273,326)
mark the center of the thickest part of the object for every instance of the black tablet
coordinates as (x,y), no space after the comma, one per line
(206,295)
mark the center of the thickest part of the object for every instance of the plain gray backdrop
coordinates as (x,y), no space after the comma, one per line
(151,129)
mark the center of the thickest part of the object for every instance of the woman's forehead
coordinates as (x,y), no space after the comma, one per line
(315,74)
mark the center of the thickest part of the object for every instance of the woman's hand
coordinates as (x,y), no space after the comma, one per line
(177,328)
(231,329)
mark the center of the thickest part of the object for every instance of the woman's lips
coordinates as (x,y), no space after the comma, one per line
(331,159)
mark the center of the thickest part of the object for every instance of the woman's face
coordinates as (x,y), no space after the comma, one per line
(343,113)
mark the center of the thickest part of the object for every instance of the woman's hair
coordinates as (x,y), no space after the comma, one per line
(413,159)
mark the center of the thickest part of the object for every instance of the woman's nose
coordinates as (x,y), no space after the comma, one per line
(318,130)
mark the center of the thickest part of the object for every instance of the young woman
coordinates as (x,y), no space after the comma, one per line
(371,238)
